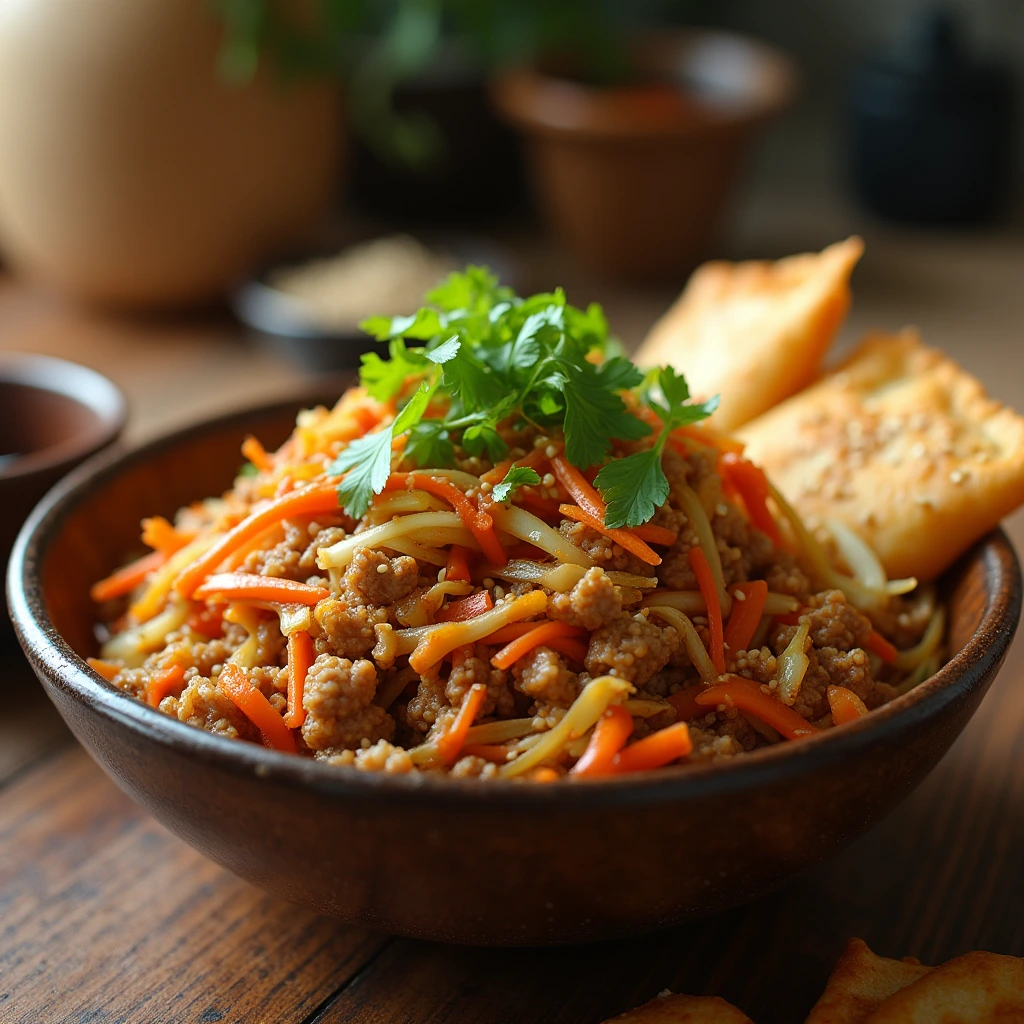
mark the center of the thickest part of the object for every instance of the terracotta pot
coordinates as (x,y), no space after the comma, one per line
(496,862)
(131,173)
(635,179)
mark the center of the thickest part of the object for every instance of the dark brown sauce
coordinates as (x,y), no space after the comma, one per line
(33,419)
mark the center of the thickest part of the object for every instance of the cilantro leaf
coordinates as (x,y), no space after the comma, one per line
(430,446)
(516,477)
(421,326)
(444,352)
(366,462)
(383,379)
(633,488)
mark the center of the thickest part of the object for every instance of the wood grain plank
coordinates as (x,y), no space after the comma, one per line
(106,916)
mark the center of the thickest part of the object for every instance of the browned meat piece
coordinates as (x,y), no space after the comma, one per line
(337,698)
(833,623)
(760,665)
(605,552)
(348,627)
(592,603)
(784,576)
(473,768)
(133,680)
(470,671)
(384,757)
(852,669)
(429,705)
(203,705)
(631,648)
(373,578)
(543,675)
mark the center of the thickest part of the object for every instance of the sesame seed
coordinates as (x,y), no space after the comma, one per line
(738,595)
(499,593)
(957,476)
(488,582)
(486,486)
(383,568)
(548,480)
(722,509)
(441,575)
(540,441)
(551,451)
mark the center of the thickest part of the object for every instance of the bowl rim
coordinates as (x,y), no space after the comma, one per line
(52,657)
(80,384)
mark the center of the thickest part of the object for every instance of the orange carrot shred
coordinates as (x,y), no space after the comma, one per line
(454,738)
(654,751)
(877,644)
(582,491)
(127,578)
(626,540)
(753,488)
(164,683)
(543,774)
(250,586)
(254,451)
(511,653)
(496,753)
(655,534)
(457,568)
(706,582)
(319,498)
(571,648)
(846,705)
(161,535)
(746,614)
(613,728)
(512,631)
(107,669)
(254,705)
(301,655)
(207,621)
(747,696)
(477,520)
(466,608)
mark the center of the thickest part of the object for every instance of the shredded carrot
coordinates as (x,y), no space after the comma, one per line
(654,751)
(512,631)
(257,454)
(748,696)
(511,653)
(655,534)
(533,460)
(301,655)
(572,649)
(466,608)
(207,621)
(165,682)
(454,738)
(254,705)
(107,669)
(846,705)
(160,535)
(706,582)
(582,491)
(746,614)
(477,520)
(543,774)
(685,703)
(626,540)
(496,753)
(530,499)
(127,578)
(320,497)
(250,586)
(877,644)
(458,564)
(613,728)
(753,488)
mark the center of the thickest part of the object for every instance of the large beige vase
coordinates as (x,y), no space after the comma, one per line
(131,173)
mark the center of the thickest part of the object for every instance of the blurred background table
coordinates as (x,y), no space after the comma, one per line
(106,916)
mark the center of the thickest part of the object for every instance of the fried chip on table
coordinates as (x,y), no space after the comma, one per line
(679,1009)
(976,988)
(754,332)
(903,446)
(860,982)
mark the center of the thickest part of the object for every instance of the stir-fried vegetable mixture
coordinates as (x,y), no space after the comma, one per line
(509,553)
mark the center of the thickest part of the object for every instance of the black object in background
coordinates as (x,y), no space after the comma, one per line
(932,128)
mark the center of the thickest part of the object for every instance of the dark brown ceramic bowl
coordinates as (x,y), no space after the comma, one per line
(53,415)
(458,860)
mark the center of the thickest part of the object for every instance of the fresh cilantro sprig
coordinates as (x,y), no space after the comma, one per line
(635,486)
(516,477)
(489,355)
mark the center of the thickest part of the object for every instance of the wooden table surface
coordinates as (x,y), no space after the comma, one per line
(105,916)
